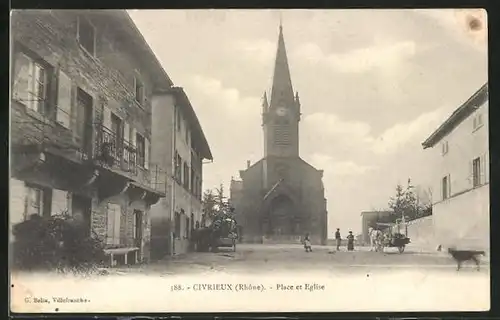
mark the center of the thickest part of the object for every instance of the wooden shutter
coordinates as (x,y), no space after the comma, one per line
(126,131)
(106,117)
(18,201)
(449,186)
(482,169)
(133,137)
(109,223)
(64,101)
(471,174)
(116,229)
(146,153)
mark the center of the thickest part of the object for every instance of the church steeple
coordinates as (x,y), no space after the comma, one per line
(281,90)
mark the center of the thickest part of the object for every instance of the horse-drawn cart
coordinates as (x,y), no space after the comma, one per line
(391,238)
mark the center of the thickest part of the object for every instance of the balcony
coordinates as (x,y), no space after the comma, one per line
(123,162)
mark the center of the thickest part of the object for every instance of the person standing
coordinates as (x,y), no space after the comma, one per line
(350,241)
(338,239)
(307,243)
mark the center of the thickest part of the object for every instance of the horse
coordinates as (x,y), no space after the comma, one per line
(375,239)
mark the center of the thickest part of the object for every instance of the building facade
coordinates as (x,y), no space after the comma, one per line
(82,85)
(281,197)
(461,196)
(178,145)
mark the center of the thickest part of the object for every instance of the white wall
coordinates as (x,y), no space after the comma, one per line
(463,219)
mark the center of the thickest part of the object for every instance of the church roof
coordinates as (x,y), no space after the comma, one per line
(282,82)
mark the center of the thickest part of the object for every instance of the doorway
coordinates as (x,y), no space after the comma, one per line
(138,230)
(81,207)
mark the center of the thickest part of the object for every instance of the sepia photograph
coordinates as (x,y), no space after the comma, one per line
(258,160)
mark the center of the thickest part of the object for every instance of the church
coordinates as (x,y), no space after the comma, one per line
(281,197)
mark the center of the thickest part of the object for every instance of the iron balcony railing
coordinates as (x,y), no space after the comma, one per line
(113,151)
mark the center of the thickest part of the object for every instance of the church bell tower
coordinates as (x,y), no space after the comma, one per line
(281,112)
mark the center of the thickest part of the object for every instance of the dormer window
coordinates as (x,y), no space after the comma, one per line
(444,148)
(86,35)
(477,121)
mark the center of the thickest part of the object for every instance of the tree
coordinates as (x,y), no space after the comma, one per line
(410,203)
(209,204)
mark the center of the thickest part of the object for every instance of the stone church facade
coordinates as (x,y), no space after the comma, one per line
(281,197)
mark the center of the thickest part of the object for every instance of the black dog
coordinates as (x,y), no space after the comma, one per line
(461,256)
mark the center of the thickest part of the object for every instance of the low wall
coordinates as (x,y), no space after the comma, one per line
(421,234)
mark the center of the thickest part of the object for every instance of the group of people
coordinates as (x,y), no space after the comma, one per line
(350,240)
(338,239)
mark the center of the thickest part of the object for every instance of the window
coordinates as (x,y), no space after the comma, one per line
(86,35)
(177,225)
(445,186)
(38,201)
(34,201)
(113,224)
(444,148)
(178,118)
(30,83)
(64,99)
(186,176)
(83,130)
(193,182)
(477,121)
(141,150)
(139,91)
(178,168)
(187,227)
(476,172)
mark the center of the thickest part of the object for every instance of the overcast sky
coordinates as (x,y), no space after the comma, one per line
(373,85)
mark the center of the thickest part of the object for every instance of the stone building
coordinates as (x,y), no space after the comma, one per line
(461,192)
(82,85)
(178,145)
(280,197)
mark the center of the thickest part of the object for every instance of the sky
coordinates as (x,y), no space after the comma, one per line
(373,84)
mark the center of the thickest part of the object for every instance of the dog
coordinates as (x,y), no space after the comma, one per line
(461,256)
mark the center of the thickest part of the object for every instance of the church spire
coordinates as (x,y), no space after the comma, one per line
(282,84)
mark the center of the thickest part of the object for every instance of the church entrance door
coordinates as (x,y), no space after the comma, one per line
(281,222)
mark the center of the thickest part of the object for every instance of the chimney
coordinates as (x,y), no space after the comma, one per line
(248,164)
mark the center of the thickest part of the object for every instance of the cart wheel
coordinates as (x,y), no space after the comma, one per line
(401,249)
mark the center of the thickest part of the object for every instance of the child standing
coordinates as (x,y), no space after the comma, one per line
(307,243)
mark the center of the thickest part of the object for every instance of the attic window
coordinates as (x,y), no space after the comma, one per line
(444,148)
(477,121)
(86,35)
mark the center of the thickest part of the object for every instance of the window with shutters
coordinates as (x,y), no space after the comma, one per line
(38,201)
(187,227)
(445,187)
(178,119)
(177,225)
(139,90)
(113,224)
(186,176)
(31,83)
(192,182)
(476,172)
(86,35)
(178,168)
(141,151)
